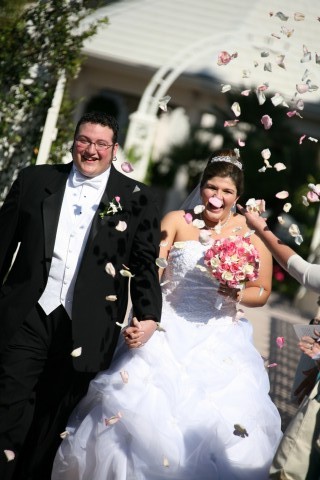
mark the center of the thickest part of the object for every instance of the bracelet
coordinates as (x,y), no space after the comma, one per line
(240,296)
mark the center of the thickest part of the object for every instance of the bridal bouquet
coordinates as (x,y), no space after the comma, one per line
(233,261)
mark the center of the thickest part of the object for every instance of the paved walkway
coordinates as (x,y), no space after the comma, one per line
(276,319)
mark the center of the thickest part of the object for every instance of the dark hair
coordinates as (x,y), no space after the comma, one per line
(102,119)
(224,169)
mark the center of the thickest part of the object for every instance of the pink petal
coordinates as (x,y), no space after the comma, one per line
(215,202)
(266,122)
(245,92)
(302,88)
(282,195)
(301,139)
(241,143)
(9,454)
(188,217)
(127,167)
(230,123)
(271,365)
(280,342)
(312,197)
(117,199)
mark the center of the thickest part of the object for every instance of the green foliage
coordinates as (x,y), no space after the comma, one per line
(38,44)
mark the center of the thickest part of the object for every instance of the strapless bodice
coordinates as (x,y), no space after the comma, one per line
(189,288)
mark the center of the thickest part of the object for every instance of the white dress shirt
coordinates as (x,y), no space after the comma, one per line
(80,202)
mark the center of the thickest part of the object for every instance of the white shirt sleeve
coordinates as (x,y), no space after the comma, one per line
(306,273)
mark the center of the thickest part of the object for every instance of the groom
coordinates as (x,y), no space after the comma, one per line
(83,230)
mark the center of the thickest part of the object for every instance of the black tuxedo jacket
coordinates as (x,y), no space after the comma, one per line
(30,216)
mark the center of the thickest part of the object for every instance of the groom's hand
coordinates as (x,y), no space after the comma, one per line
(138,333)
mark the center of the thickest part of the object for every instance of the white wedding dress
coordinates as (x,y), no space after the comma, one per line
(191,404)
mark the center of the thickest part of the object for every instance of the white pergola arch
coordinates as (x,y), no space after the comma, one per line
(143,122)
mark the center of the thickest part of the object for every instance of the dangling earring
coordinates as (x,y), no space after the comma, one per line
(233,208)
(114,158)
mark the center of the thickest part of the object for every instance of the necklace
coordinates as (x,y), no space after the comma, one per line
(217,228)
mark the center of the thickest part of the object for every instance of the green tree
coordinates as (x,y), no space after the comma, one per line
(38,42)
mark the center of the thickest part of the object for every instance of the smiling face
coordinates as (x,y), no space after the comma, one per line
(218,196)
(93,149)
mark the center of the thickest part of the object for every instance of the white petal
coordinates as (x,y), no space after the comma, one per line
(313,139)
(166,462)
(161,262)
(281,220)
(287,207)
(282,195)
(136,189)
(201,268)
(126,273)
(9,454)
(198,223)
(279,166)
(124,376)
(110,269)
(236,109)
(64,434)
(198,209)
(266,154)
(204,237)
(76,352)
(248,233)
(111,298)
(298,240)
(163,102)
(225,88)
(294,230)
(122,226)
(305,201)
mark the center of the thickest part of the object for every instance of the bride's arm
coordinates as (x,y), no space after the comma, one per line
(168,234)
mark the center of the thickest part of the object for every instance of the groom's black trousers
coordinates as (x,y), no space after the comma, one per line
(38,390)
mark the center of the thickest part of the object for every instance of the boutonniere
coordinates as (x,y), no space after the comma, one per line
(112,208)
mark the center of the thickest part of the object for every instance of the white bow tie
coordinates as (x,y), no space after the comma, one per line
(78,180)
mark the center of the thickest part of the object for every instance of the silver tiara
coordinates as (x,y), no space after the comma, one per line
(227,159)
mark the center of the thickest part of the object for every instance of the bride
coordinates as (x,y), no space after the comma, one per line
(192,402)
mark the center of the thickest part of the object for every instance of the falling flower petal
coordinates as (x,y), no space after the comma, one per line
(76,352)
(266,154)
(165,462)
(109,268)
(267,67)
(224,57)
(163,102)
(112,420)
(312,197)
(245,93)
(188,217)
(302,87)
(127,167)
(246,74)
(301,139)
(314,188)
(248,233)
(306,55)
(262,169)
(294,230)
(281,220)
(122,226)
(305,201)
(161,262)
(277,99)
(215,202)
(282,16)
(240,431)
(261,290)
(299,16)
(136,189)
(198,223)
(230,123)
(201,268)
(163,244)
(275,36)
(124,376)
(317,58)
(204,237)
(264,54)
(126,273)
(198,209)
(64,434)
(253,205)
(266,121)
(236,109)
(300,104)
(294,113)
(261,97)
(298,239)
(225,88)
(282,195)
(280,342)
(241,143)
(279,166)
(164,283)
(9,454)
(287,207)
(313,139)
(288,32)
(279,60)
(111,298)
(271,365)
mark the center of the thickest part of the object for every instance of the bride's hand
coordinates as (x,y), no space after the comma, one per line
(138,333)
(228,292)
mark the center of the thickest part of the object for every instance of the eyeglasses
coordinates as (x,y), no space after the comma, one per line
(99,145)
